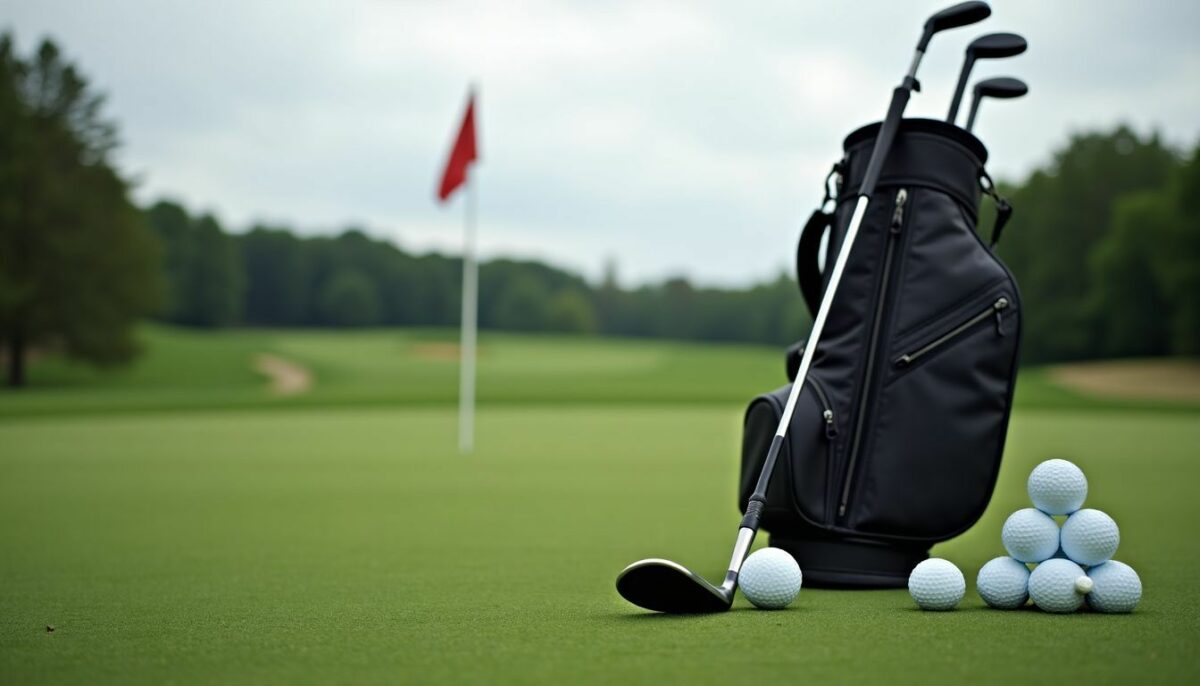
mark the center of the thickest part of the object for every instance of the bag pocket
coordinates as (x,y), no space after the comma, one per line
(992,313)
(944,406)
(801,481)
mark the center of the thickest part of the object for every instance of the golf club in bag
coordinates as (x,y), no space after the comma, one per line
(989,47)
(666,586)
(1002,87)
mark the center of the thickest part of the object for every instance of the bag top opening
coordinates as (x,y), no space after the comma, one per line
(917,125)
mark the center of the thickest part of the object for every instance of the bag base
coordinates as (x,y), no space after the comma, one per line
(852,563)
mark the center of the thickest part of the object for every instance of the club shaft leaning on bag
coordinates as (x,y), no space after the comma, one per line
(883,142)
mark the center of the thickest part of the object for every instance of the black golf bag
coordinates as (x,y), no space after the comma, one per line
(896,439)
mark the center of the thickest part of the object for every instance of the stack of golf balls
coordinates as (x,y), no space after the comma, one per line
(1073,564)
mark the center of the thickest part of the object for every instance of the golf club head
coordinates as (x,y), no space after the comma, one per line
(1002,87)
(997,45)
(962,14)
(664,586)
(989,46)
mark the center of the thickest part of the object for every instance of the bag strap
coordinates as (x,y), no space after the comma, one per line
(808,273)
(1004,208)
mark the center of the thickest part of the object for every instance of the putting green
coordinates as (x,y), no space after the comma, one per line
(354,546)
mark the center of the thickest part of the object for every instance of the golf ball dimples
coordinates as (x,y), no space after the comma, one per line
(1058,586)
(1057,487)
(936,584)
(770,579)
(1115,587)
(1090,537)
(1003,583)
(1030,535)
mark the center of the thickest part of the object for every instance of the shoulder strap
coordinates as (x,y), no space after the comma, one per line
(808,274)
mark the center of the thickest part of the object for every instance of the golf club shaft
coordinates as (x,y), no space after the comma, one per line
(883,142)
(974,110)
(960,88)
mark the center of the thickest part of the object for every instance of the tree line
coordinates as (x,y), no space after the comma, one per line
(271,276)
(1104,244)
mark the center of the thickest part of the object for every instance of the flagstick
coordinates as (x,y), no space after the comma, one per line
(470,288)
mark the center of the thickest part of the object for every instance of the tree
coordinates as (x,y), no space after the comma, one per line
(570,311)
(348,298)
(1148,268)
(1063,213)
(78,267)
(205,275)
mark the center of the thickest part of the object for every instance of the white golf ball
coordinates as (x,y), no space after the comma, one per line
(1057,487)
(1115,587)
(1030,535)
(1090,537)
(936,584)
(1003,583)
(770,579)
(1058,586)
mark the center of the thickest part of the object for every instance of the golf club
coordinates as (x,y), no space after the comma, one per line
(665,586)
(987,47)
(1003,87)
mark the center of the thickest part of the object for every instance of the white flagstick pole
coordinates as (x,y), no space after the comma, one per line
(470,295)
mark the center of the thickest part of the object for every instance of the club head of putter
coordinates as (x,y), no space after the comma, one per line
(664,586)
(1001,87)
(997,45)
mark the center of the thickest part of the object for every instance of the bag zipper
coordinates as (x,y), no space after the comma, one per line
(996,310)
(826,409)
(856,442)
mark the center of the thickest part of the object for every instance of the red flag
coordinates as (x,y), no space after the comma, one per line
(462,155)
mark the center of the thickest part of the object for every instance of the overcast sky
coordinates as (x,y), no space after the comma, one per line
(673,137)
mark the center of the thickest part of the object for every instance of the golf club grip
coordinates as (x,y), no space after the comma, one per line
(883,142)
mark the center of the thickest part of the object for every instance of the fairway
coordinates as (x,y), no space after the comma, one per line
(311,543)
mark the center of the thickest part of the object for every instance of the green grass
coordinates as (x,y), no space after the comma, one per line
(337,537)
(317,546)
(195,369)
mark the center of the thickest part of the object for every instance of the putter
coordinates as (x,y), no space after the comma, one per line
(1003,87)
(989,47)
(665,586)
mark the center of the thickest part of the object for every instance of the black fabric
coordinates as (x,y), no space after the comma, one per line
(897,436)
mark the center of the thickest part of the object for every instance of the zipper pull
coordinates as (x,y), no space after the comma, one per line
(830,428)
(898,213)
(999,306)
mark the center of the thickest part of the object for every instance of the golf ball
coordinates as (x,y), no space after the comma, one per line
(1030,535)
(1003,583)
(1090,537)
(1057,487)
(936,584)
(1115,587)
(770,579)
(1059,586)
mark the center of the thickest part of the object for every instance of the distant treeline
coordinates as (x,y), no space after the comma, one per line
(1105,244)
(270,276)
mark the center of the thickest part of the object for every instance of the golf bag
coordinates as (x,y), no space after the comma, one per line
(897,436)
